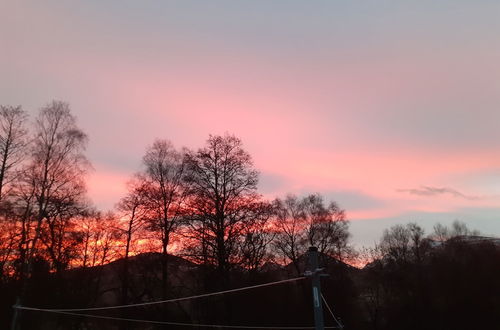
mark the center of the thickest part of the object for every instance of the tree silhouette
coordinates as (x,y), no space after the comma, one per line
(13,142)
(304,222)
(133,209)
(164,195)
(223,200)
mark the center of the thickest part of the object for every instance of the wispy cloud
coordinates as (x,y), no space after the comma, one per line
(436,191)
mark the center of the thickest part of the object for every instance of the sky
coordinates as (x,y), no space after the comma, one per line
(389,108)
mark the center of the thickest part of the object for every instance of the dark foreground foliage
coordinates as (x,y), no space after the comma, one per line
(451,285)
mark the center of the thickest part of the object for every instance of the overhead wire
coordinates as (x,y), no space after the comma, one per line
(164,301)
(72,311)
(340,326)
(172,323)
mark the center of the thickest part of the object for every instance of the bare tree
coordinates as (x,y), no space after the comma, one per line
(164,194)
(305,222)
(290,222)
(61,239)
(86,230)
(133,211)
(223,199)
(404,244)
(257,236)
(13,141)
(441,233)
(458,230)
(51,185)
(99,238)
(327,228)
(396,243)
(51,182)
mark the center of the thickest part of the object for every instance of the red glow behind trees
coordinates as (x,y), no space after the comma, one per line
(203,205)
(164,195)
(223,200)
(50,189)
(155,202)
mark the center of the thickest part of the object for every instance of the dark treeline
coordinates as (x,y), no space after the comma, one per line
(193,221)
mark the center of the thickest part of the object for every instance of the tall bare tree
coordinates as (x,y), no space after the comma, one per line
(223,200)
(132,209)
(164,194)
(13,141)
(52,182)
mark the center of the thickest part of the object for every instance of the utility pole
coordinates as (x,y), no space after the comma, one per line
(314,273)
(14,325)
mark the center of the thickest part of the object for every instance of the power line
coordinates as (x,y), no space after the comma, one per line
(340,326)
(170,323)
(160,301)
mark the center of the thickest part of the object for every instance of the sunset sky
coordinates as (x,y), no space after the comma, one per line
(390,108)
